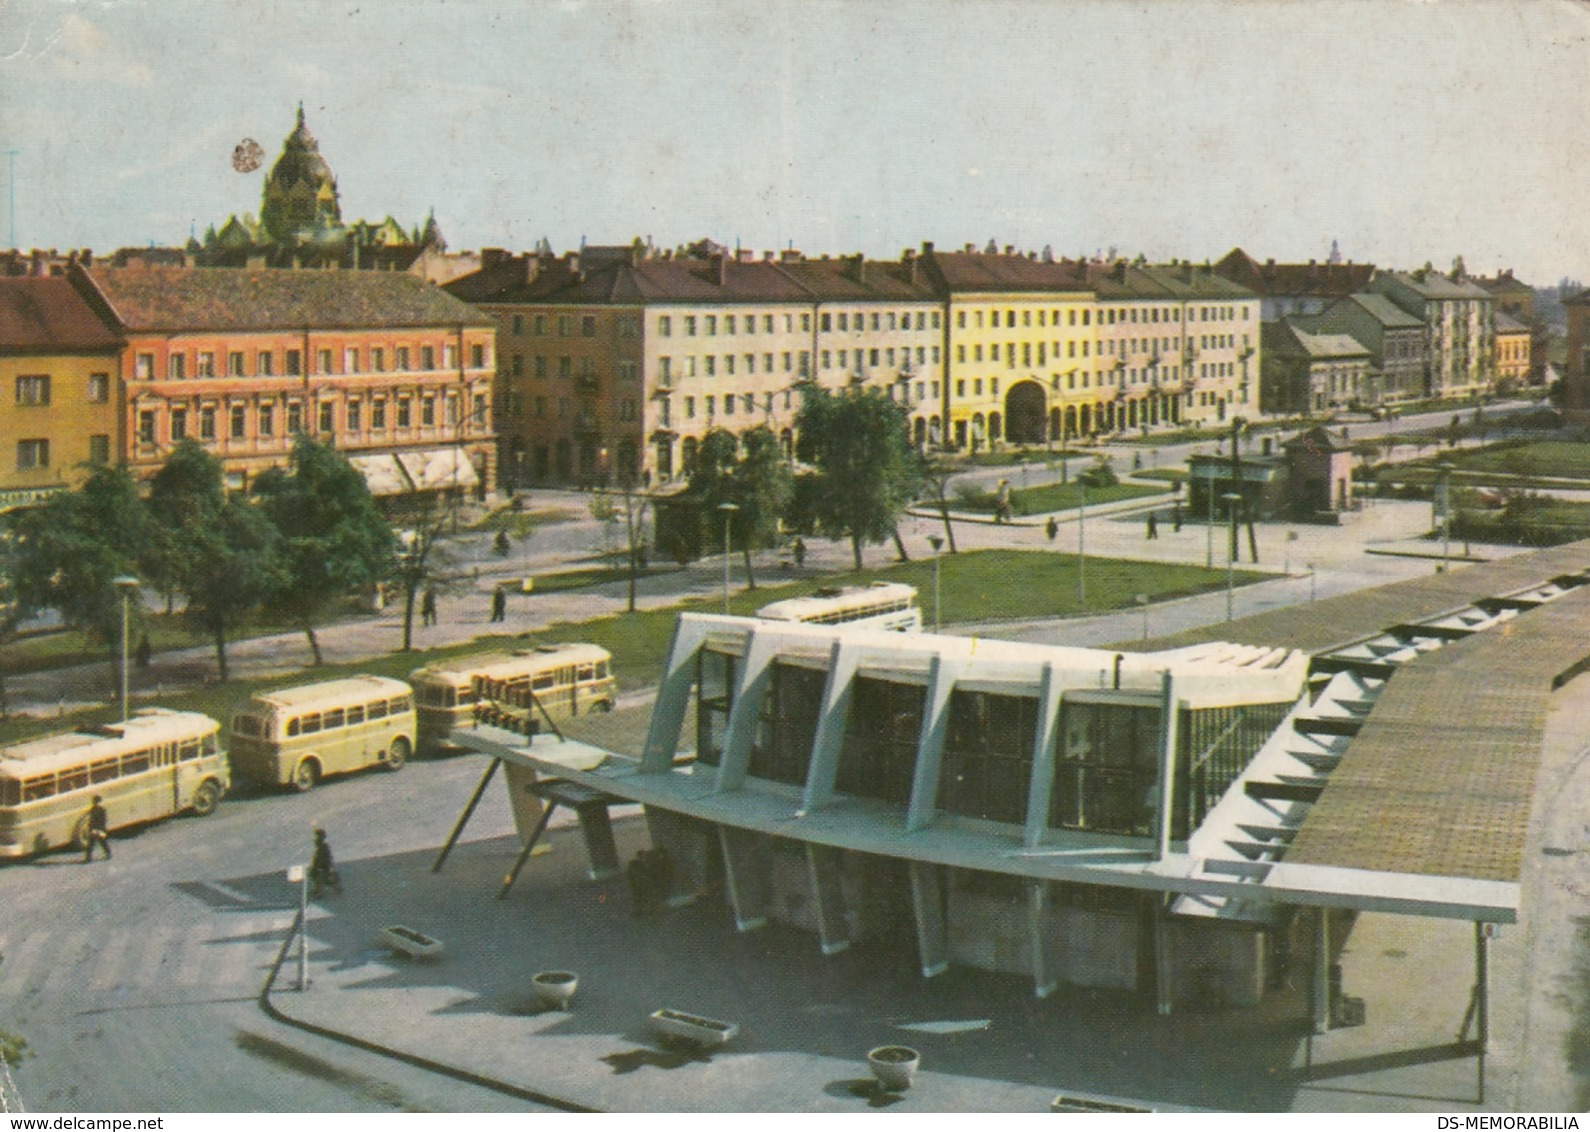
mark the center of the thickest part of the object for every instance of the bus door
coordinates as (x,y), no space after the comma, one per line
(361,740)
(581,687)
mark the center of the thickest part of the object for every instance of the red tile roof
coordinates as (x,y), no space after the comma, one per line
(46,314)
(1326,280)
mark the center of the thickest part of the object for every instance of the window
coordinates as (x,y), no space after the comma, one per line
(33,389)
(690,408)
(206,366)
(350,360)
(518,324)
(146,426)
(565,366)
(518,366)
(712,365)
(327,417)
(728,404)
(690,326)
(565,325)
(480,411)
(477,356)
(378,359)
(207,423)
(234,364)
(99,448)
(179,424)
(767,326)
(239,422)
(378,414)
(295,363)
(402,358)
(176,367)
(267,420)
(665,326)
(32,454)
(144,367)
(538,327)
(427,357)
(295,417)
(323,360)
(404,412)
(449,356)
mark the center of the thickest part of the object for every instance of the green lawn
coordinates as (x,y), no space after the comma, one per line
(1057,497)
(1562,459)
(1169,475)
(983,585)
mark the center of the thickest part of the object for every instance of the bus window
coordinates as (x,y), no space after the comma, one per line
(37,789)
(464,696)
(10,792)
(584,673)
(377,710)
(188,750)
(543,681)
(292,727)
(399,705)
(135,762)
(601,670)
(309,723)
(73,779)
(355,714)
(212,743)
(331,719)
(102,771)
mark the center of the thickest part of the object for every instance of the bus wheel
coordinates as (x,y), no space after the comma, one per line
(305,775)
(206,797)
(601,707)
(398,753)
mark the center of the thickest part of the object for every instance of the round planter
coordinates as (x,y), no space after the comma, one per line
(555,988)
(894,1066)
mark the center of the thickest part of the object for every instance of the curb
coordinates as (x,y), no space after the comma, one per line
(468,1076)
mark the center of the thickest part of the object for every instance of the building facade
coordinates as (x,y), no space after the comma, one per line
(1458,321)
(1395,339)
(383,365)
(59,375)
(1294,288)
(1307,372)
(1514,360)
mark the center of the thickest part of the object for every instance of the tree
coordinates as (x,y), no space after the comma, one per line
(759,483)
(219,551)
(857,442)
(334,541)
(935,472)
(67,552)
(423,561)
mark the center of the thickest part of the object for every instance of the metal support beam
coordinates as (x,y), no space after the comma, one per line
(1163,983)
(1482,1002)
(463,818)
(524,854)
(673,695)
(597,828)
(1321,998)
(930,743)
(831,723)
(1041,939)
(739,734)
(823,870)
(1168,743)
(927,904)
(1041,782)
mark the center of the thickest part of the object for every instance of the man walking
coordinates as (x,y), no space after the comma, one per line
(1153,525)
(499,604)
(428,607)
(98,830)
(1051,528)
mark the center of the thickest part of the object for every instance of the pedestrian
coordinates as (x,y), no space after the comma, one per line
(428,606)
(499,604)
(1051,528)
(1153,525)
(141,655)
(98,830)
(502,545)
(800,553)
(1176,516)
(322,871)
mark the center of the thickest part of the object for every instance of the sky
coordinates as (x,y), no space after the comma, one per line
(1406,130)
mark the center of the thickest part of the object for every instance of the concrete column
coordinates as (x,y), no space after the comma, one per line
(835,716)
(927,904)
(685,839)
(673,694)
(930,744)
(1322,970)
(1041,784)
(1044,965)
(739,735)
(600,847)
(1169,740)
(823,870)
(748,867)
(1164,982)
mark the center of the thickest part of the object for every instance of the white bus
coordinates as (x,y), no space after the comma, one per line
(882,605)
(568,680)
(297,736)
(156,764)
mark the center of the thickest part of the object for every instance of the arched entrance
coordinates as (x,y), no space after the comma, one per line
(1024,413)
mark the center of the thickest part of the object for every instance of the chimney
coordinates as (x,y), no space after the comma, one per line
(1010,249)
(491,257)
(767,257)
(927,247)
(745,255)
(857,268)
(971,247)
(720,269)
(790,255)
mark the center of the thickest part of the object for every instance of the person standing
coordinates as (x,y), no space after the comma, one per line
(1176,516)
(1051,528)
(322,870)
(1153,525)
(98,830)
(800,553)
(428,607)
(499,604)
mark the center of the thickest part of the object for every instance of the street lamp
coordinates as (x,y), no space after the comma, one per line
(1231,499)
(1142,601)
(128,585)
(1209,527)
(728,510)
(1445,468)
(936,541)
(1082,545)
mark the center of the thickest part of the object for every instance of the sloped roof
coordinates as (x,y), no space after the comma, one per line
(1434,285)
(1170,282)
(1324,280)
(991,271)
(229,298)
(1507,324)
(46,314)
(1384,311)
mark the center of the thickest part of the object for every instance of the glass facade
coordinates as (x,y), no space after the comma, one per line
(1107,769)
(715,678)
(987,760)
(878,758)
(790,711)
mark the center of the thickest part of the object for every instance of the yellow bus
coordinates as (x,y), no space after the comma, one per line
(568,679)
(297,736)
(155,764)
(882,605)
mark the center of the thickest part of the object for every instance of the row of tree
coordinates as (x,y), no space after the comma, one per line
(302,541)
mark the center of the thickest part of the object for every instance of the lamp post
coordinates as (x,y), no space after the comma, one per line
(936,541)
(1231,499)
(128,585)
(728,510)
(1313,582)
(1142,601)
(1209,527)
(1445,468)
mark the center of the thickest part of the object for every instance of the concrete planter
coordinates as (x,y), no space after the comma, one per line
(554,989)
(894,1066)
(414,944)
(693,1028)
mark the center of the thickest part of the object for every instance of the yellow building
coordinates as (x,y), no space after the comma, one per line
(1512,350)
(58,365)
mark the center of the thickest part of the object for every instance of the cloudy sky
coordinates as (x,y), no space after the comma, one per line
(1409,131)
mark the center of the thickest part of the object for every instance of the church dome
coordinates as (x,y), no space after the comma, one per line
(301,192)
